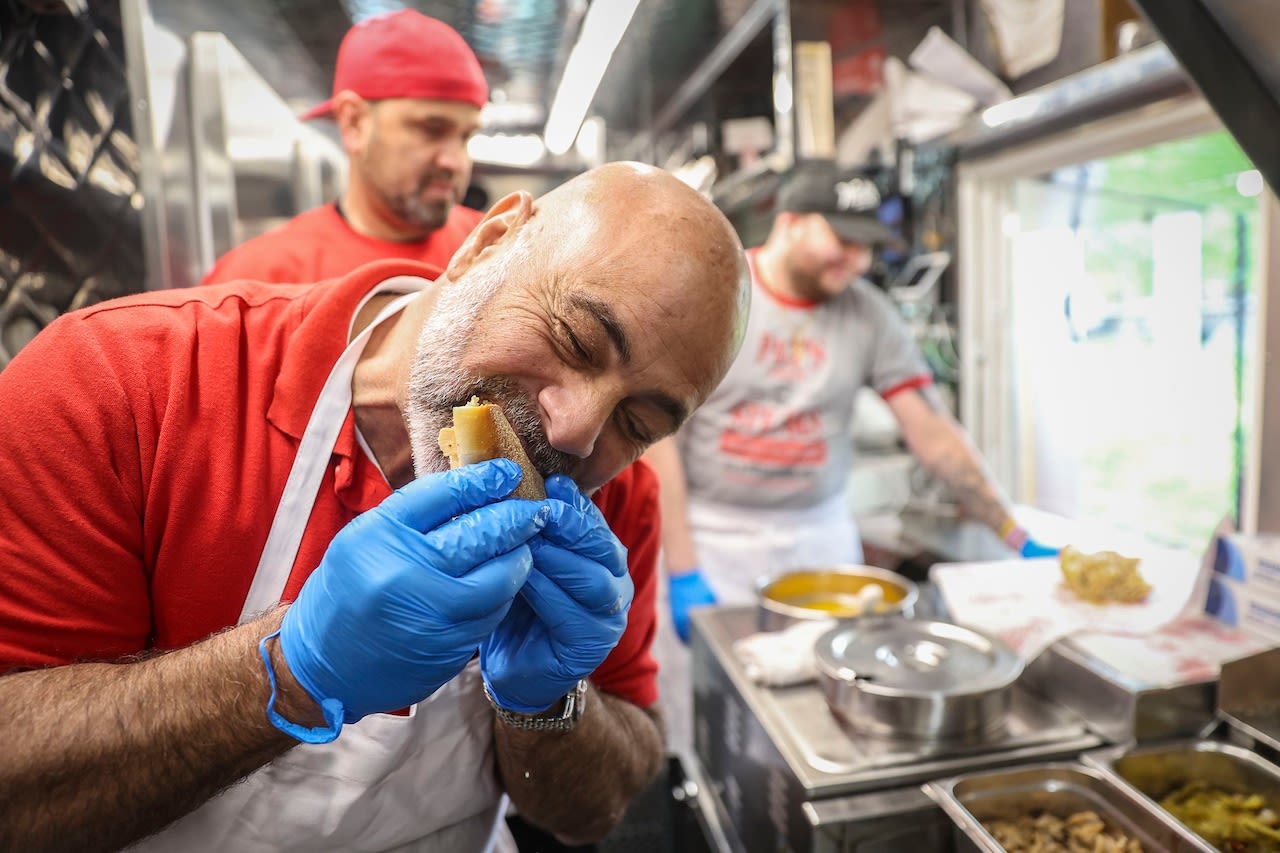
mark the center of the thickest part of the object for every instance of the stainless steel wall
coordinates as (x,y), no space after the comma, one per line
(222,154)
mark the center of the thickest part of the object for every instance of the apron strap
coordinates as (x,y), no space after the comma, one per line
(307,473)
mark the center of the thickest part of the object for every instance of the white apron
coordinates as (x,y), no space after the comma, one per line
(737,546)
(425,782)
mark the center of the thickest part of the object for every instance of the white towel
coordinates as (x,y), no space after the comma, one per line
(782,658)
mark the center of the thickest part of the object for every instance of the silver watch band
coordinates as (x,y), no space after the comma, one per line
(575,703)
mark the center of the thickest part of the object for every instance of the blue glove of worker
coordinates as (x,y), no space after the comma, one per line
(406,591)
(571,612)
(1031,548)
(687,590)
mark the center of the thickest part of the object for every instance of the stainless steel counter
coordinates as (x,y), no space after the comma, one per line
(783,774)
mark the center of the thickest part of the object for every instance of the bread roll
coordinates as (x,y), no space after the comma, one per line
(480,431)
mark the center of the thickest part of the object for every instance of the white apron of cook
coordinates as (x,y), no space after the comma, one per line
(424,782)
(736,546)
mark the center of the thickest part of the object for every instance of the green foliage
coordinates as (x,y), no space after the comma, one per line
(1126,191)
(1197,171)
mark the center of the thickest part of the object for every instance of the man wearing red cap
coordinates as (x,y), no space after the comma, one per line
(407,93)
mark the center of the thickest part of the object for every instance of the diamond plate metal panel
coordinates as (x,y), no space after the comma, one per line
(69,225)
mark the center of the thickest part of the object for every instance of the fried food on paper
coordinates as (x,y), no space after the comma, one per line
(1103,578)
(480,432)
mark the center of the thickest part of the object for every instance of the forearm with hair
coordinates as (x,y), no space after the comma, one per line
(963,472)
(99,755)
(942,446)
(578,784)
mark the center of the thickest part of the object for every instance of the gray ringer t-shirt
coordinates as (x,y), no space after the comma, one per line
(776,432)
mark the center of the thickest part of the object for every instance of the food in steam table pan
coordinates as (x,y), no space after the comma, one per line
(1234,823)
(480,431)
(1102,578)
(1042,832)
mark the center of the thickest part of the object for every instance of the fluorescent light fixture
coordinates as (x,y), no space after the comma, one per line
(519,149)
(512,114)
(602,29)
(591,140)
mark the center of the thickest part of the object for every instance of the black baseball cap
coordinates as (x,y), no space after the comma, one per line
(849,202)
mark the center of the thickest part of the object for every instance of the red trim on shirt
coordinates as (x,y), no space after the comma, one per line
(921,381)
(780,298)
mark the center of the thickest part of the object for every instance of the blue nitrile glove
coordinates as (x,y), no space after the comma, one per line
(406,591)
(571,612)
(1031,548)
(687,590)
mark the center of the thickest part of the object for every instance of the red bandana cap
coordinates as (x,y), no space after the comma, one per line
(405,54)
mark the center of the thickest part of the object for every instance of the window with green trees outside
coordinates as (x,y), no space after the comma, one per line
(1134,314)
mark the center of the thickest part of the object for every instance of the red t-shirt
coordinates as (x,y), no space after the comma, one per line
(147,441)
(319,245)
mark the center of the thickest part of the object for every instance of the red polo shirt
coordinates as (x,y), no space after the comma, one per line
(147,441)
(319,244)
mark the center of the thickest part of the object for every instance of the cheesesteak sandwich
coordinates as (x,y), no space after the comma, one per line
(480,431)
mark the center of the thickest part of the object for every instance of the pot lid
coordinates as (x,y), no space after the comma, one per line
(909,656)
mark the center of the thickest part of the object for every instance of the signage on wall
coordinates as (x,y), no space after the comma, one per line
(853,25)
(860,74)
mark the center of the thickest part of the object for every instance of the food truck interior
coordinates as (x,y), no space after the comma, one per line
(1085,195)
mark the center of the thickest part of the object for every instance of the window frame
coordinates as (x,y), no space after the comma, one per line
(990,382)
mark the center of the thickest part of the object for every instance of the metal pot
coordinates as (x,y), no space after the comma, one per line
(903,678)
(831,592)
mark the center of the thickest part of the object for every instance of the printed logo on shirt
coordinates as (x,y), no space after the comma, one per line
(792,357)
(762,434)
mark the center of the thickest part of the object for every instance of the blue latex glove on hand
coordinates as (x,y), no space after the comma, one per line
(687,590)
(1031,548)
(571,612)
(406,591)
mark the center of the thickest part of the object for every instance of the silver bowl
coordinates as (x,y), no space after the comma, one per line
(831,592)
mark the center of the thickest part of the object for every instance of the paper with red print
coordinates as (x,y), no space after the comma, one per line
(1187,650)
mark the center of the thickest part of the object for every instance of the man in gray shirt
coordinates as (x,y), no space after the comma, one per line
(755,480)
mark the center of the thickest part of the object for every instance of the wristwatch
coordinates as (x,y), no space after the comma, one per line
(575,702)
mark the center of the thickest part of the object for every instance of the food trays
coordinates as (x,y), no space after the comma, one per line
(1158,770)
(1057,789)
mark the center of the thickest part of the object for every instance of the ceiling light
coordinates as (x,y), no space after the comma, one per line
(591,141)
(518,149)
(1249,183)
(602,29)
(512,114)
(1019,109)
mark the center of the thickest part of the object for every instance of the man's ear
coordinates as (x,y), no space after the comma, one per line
(354,117)
(505,217)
